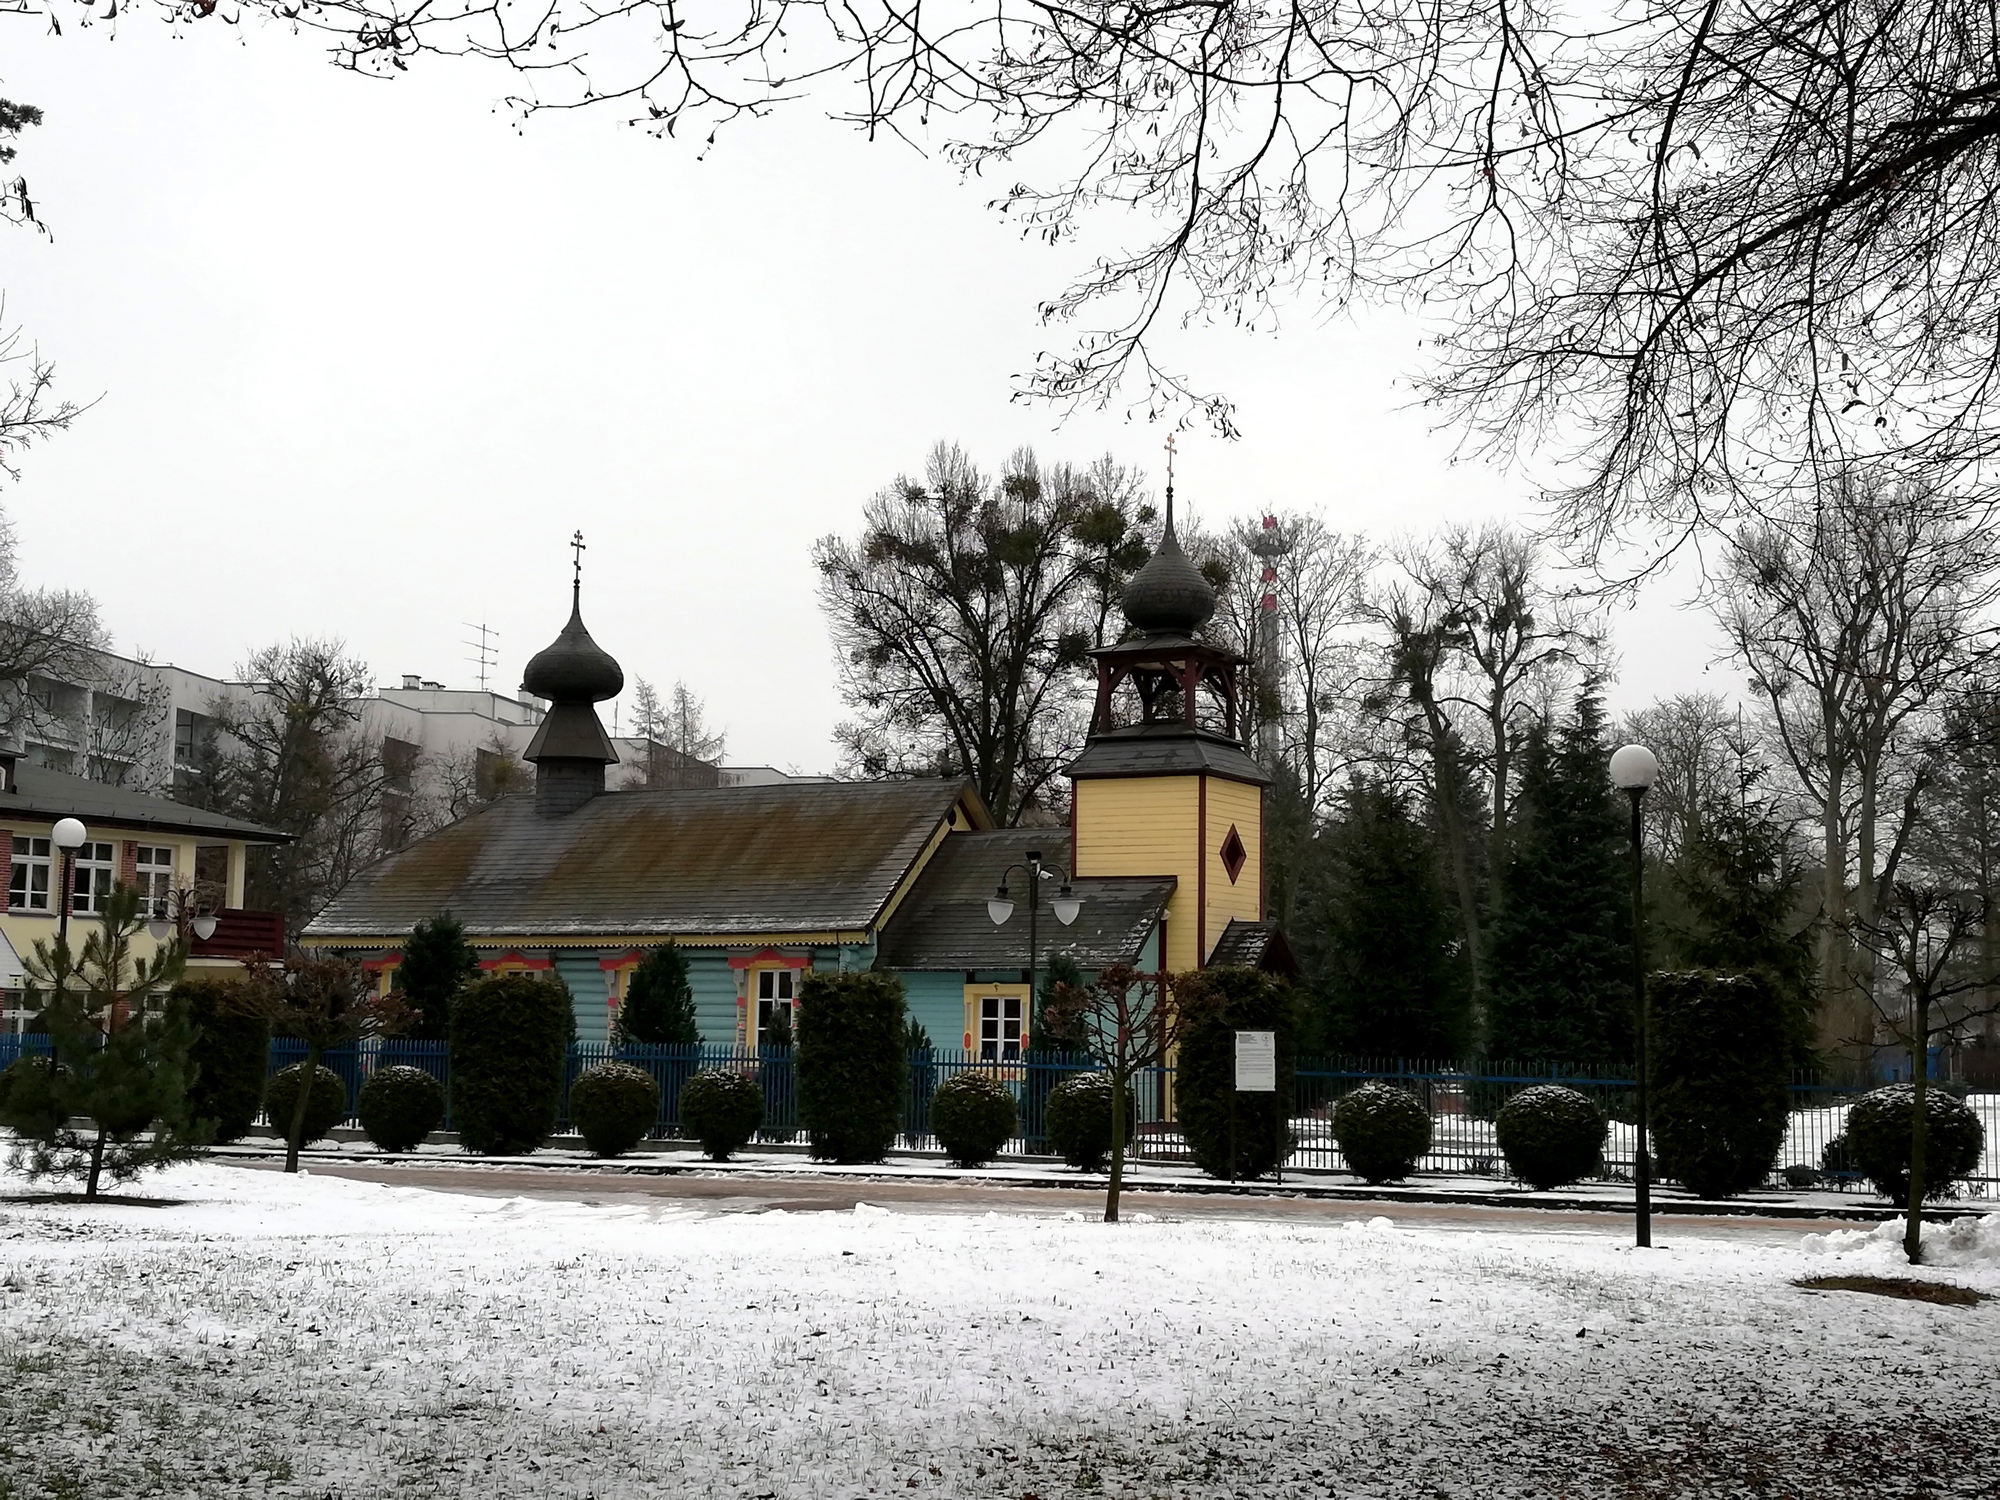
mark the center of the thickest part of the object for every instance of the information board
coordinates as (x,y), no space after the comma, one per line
(1256,1062)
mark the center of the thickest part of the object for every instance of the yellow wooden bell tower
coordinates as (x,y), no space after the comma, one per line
(1165,786)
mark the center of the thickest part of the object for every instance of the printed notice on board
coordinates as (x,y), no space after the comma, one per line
(1256,1062)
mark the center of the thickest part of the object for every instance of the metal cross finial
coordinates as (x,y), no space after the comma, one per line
(576,546)
(1170,484)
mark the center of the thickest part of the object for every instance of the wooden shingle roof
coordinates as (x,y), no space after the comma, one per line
(943,923)
(807,857)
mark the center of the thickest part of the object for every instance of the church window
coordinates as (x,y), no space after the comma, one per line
(1000,1021)
(774,995)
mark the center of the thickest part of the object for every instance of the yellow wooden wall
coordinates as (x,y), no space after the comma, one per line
(1173,825)
(1233,803)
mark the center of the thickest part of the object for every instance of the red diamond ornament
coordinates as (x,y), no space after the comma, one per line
(1234,855)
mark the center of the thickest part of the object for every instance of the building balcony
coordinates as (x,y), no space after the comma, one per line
(241,934)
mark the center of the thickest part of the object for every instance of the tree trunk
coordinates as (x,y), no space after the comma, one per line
(96,1164)
(1118,1092)
(1913,1218)
(308,1073)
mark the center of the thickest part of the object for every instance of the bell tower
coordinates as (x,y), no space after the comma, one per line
(1164,785)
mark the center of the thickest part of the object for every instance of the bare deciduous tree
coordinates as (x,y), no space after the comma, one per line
(962,619)
(293,757)
(1927,936)
(1854,614)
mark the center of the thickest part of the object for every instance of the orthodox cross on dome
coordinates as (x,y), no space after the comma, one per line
(1170,480)
(576,547)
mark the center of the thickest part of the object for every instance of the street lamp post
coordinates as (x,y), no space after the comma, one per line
(68,835)
(1065,905)
(1634,768)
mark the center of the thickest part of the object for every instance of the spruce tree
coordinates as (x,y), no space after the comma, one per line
(1394,978)
(1559,961)
(437,964)
(115,1063)
(658,1009)
(1740,899)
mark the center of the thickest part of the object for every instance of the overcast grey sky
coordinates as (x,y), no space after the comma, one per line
(368,354)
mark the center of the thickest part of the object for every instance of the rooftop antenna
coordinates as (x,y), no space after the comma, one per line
(484,653)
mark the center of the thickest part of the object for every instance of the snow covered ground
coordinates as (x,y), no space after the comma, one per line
(318,1337)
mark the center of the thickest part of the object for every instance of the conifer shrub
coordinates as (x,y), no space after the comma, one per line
(973,1116)
(399,1106)
(1233,1134)
(1551,1135)
(231,1055)
(1833,1157)
(1079,1120)
(852,1068)
(1382,1131)
(1877,1142)
(437,963)
(614,1106)
(326,1107)
(510,1038)
(658,1009)
(722,1110)
(1721,1061)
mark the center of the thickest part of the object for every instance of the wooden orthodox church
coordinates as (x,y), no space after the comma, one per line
(1164,855)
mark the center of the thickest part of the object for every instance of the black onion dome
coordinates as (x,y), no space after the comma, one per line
(574,668)
(1169,594)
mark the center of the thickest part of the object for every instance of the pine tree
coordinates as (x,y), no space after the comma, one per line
(1559,962)
(437,964)
(658,1009)
(1395,981)
(1046,1033)
(1740,893)
(115,1062)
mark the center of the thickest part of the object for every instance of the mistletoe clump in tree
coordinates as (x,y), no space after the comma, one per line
(112,1062)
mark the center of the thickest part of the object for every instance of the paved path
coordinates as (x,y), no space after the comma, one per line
(736,1193)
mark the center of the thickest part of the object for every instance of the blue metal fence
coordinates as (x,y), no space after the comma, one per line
(1462,1098)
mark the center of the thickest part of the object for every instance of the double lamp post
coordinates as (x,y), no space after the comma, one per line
(1634,769)
(1065,904)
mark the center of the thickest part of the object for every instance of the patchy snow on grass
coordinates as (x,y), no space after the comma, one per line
(320,1337)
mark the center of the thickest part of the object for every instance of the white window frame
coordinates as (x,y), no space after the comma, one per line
(1002,1024)
(31,855)
(96,866)
(153,873)
(776,987)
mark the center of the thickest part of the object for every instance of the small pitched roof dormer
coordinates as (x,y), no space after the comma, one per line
(570,749)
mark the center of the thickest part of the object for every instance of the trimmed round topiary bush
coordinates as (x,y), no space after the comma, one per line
(614,1106)
(852,1069)
(1078,1120)
(510,1039)
(231,1056)
(1551,1135)
(973,1116)
(1382,1131)
(399,1106)
(722,1110)
(326,1106)
(1878,1140)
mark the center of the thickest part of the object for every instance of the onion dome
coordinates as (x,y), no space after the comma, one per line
(574,668)
(1169,596)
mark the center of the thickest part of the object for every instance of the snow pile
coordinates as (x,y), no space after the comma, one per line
(1961,1242)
